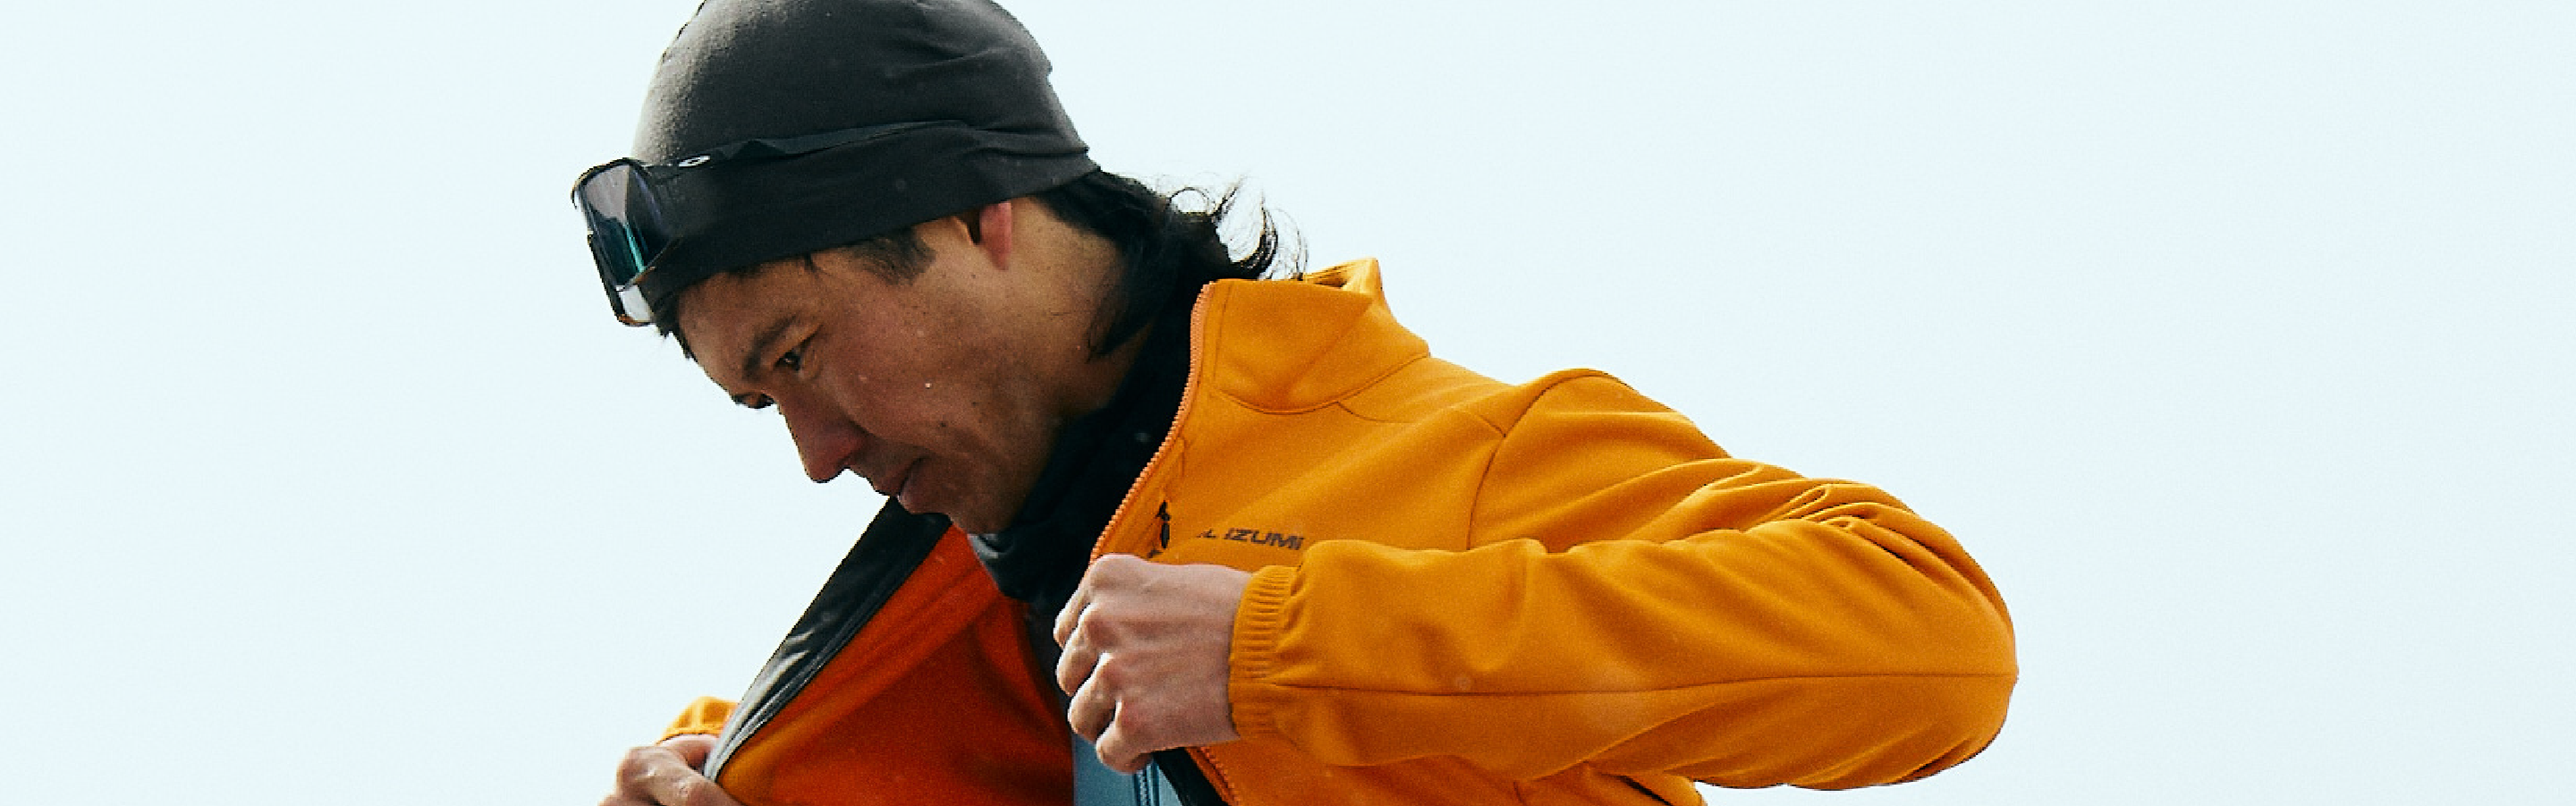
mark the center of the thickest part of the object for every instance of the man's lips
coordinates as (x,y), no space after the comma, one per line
(892,486)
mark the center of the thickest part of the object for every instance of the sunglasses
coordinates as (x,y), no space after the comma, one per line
(636,211)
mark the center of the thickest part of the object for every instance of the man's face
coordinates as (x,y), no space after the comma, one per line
(938,390)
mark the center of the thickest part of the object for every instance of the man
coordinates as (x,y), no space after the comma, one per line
(1161,530)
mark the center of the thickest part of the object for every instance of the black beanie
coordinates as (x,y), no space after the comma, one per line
(986,125)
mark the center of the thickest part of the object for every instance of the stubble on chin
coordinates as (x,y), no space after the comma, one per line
(987,514)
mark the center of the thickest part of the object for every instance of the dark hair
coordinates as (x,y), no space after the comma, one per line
(1167,252)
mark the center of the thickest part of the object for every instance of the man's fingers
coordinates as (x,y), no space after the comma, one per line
(1075,664)
(687,789)
(1145,654)
(692,747)
(1091,710)
(1071,615)
(667,775)
(1117,752)
(1108,571)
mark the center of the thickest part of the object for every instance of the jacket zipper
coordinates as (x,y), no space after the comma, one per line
(1189,391)
(1118,519)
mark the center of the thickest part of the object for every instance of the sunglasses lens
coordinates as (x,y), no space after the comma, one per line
(625,220)
(626,232)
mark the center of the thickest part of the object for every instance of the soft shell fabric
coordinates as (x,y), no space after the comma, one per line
(1464,592)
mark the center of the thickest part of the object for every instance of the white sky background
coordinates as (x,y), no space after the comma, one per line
(2230,336)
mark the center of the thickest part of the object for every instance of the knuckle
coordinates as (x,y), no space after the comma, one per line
(1116,568)
(636,765)
(1105,677)
(1090,723)
(1141,719)
(1105,624)
(1122,749)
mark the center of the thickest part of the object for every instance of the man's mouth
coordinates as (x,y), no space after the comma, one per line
(895,485)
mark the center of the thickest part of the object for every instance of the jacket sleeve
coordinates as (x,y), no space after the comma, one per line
(1638,602)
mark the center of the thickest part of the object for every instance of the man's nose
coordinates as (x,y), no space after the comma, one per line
(825,440)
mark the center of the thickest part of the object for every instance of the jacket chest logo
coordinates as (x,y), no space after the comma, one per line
(1234,534)
(1257,537)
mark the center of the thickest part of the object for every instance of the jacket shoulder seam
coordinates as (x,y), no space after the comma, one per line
(1503,434)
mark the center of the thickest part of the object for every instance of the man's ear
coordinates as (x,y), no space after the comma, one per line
(990,228)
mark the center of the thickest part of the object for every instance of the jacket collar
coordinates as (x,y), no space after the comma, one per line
(1294,346)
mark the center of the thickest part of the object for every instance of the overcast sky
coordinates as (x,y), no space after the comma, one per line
(2232,338)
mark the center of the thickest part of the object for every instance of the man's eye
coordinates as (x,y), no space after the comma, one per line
(792,360)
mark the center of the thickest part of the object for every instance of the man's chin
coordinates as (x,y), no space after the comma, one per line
(978,523)
(974,509)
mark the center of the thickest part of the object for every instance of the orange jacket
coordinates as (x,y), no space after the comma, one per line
(1464,592)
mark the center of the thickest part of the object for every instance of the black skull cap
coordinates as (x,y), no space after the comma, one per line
(766,69)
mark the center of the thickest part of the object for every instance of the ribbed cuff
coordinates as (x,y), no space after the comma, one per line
(1257,623)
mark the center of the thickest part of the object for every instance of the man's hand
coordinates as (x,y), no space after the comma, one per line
(666,774)
(1145,656)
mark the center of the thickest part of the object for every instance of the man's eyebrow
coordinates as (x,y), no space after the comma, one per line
(762,343)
